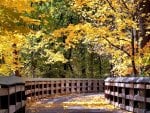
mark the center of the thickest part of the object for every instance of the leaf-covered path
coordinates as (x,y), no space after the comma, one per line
(75,103)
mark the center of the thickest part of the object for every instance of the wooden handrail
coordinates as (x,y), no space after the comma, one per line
(133,93)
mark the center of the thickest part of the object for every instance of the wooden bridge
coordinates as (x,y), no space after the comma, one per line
(15,92)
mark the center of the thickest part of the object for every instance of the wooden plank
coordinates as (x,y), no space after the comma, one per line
(107,91)
(148,99)
(107,83)
(116,94)
(22,88)
(12,108)
(23,103)
(129,108)
(44,89)
(12,90)
(139,98)
(116,84)
(121,95)
(138,110)
(3,110)
(95,85)
(3,91)
(18,105)
(28,92)
(30,83)
(131,97)
(139,86)
(37,90)
(122,106)
(112,93)
(18,88)
(148,86)
(121,84)
(112,84)
(127,85)
(116,104)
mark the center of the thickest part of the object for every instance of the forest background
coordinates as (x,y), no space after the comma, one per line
(75,38)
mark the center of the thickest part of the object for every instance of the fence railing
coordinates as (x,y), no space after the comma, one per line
(16,91)
(12,95)
(40,88)
(129,93)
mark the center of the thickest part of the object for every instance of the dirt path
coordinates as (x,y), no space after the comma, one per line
(75,103)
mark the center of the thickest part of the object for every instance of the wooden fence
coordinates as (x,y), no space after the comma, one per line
(40,88)
(12,95)
(16,91)
(129,93)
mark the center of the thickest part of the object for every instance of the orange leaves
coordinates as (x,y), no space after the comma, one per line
(80,2)
(19,5)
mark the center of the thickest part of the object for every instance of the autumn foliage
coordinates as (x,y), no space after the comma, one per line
(115,28)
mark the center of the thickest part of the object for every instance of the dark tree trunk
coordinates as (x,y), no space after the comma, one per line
(82,59)
(92,64)
(145,9)
(133,55)
(15,54)
(68,65)
(100,65)
(32,65)
(2,60)
(65,67)
(111,73)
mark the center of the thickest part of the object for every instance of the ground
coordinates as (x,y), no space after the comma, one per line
(74,103)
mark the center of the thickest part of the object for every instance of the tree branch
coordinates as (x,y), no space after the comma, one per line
(122,39)
(125,4)
(116,46)
(111,5)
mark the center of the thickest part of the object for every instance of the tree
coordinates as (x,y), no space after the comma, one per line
(13,28)
(114,24)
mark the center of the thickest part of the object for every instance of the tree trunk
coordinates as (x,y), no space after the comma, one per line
(145,9)
(15,55)
(111,73)
(91,64)
(100,64)
(32,65)
(68,65)
(83,60)
(133,55)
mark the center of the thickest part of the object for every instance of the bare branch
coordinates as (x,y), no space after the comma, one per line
(111,5)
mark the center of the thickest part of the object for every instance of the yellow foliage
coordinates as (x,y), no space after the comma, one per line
(7,49)
(19,5)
